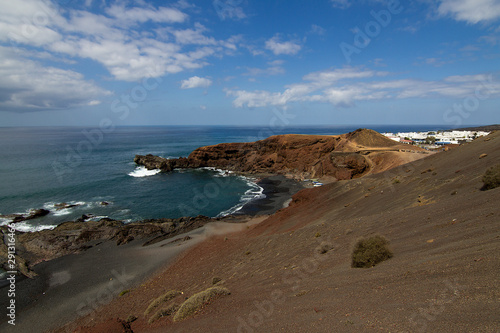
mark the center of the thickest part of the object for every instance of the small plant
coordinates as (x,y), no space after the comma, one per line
(124,292)
(491,178)
(196,302)
(160,300)
(317,235)
(131,319)
(370,251)
(164,312)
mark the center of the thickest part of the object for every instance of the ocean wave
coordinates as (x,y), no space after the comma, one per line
(141,171)
(96,218)
(57,209)
(255,192)
(26,227)
(219,172)
(4,221)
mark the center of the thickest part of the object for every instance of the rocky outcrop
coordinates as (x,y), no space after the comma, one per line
(34,214)
(75,236)
(304,156)
(154,162)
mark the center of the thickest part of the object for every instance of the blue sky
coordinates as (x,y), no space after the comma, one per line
(242,62)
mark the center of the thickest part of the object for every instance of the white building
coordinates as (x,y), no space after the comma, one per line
(448,137)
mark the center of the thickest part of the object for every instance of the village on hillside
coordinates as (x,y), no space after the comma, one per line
(435,139)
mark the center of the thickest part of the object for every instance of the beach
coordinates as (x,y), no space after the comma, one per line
(75,285)
(278,191)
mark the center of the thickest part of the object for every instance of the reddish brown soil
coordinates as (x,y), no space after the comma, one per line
(443,230)
(340,157)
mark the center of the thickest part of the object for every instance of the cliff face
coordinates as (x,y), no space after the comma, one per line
(305,156)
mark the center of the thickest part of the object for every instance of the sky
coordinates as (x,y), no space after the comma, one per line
(249,62)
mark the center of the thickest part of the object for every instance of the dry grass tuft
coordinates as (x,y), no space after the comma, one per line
(160,300)
(196,302)
(491,178)
(164,312)
(370,251)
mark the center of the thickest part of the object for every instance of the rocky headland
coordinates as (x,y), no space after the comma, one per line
(336,157)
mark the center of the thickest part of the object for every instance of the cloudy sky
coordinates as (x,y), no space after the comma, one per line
(249,62)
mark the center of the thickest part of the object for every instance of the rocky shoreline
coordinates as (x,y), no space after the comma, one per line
(283,159)
(73,237)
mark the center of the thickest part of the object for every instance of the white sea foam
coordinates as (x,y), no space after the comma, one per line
(57,211)
(255,192)
(141,171)
(96,218)
(4,221)
(219,172)
(26,227)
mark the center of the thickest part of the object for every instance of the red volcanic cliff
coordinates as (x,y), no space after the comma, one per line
(343,156)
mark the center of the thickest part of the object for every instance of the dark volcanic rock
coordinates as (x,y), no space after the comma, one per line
(78,236)
(154,162)
(64,205)
(37,213)
(32,215)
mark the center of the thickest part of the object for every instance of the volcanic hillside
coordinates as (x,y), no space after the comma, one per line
(340,157)
(292,272)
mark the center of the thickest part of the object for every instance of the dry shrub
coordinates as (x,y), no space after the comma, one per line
(491,178)
(160,300)
(370,251)
(195,302)
(164,312)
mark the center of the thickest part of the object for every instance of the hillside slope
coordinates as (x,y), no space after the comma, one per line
(443,277)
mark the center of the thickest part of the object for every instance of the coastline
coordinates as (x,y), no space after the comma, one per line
(69,282)
(278,191)
(75,286)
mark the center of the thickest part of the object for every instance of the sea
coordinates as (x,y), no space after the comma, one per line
(89,173)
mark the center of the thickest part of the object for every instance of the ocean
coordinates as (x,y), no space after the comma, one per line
(92,172)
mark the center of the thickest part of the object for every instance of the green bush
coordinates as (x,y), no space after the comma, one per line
(196,302)
(491,178)
(370,251)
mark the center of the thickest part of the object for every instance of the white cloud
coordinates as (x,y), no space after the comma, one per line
(196,82)
(330,76)
(275,68)
(28,22)
(193,36)
(141,15)
(278,47)
(342,4)
(344,87)
(316,29)
(229,9)
(28,86)
(471,11)
(128,54)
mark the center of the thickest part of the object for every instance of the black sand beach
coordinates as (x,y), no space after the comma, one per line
(278,190)
(75,285)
